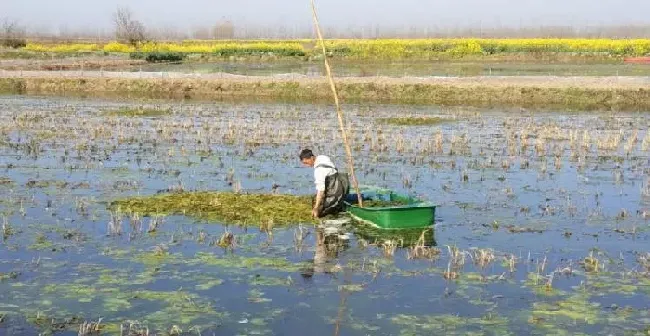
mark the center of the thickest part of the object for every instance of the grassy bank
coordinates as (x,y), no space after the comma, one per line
(574,94)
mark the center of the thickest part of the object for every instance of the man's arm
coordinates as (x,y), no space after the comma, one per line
(319,179)
(319,200)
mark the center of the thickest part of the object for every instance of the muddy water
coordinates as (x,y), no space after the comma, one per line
(542,222)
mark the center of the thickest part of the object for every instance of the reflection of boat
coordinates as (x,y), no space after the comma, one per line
(402,237)
(397,211)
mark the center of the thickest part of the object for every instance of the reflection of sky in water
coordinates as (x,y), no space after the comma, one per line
(586,202)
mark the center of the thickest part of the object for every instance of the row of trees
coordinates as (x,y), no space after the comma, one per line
(12,34)
(128,29)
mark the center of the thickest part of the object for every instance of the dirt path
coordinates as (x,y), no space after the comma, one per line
(582,82)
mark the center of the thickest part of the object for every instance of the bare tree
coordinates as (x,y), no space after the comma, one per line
(12,34)
(223,30)
(128,29)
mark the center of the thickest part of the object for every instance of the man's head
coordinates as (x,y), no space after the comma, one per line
(307,157)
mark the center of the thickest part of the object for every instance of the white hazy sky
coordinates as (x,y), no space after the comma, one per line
(76,14)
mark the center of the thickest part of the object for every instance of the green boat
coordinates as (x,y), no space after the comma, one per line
(388,210)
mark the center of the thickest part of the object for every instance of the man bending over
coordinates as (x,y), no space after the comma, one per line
(332,187)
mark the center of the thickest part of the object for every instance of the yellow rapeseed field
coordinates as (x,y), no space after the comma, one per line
(379,48)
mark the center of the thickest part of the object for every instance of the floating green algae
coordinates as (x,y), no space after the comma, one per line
(574,309)
(225,207)
(251,263)
(447,323)
(259,280)
(42,243)
(209,284)
(178,306)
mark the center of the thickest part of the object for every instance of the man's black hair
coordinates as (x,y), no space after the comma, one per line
(306,154)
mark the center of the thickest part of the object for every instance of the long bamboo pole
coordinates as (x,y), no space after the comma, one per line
(339,113)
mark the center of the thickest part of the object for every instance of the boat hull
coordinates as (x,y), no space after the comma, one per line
(414,214)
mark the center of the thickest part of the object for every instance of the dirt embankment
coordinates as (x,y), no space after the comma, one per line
(586,93)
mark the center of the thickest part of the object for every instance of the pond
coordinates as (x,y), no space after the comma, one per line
(400,68)
(541,225)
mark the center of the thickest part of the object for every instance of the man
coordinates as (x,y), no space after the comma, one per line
(332,187)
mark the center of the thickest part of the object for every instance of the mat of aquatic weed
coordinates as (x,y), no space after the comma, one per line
(384,204)
(224,207)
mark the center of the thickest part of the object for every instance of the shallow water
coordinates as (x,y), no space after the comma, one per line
(545,189)
(399,69)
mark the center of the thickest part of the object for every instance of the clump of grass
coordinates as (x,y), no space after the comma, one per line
(644,261)
(421,251)
(389,247)
(42,243)
(160,250)
(224,207)
(175,331)
(456,256)
(482,257)
(591,263)
(449,274)
(90,328)
(139,111)
(6,228)
(134,328)
(227,240)
(115,224)
(412,121)
(154,223)
(456,262)
(202,237)
(511,262)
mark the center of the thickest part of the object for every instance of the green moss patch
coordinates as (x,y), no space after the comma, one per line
(223,207)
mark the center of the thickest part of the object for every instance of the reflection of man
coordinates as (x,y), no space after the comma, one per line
(327,249)
(320,255)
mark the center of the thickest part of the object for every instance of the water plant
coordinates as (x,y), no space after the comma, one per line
(225,207)
(90,328)
(421,250)
(6,228)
